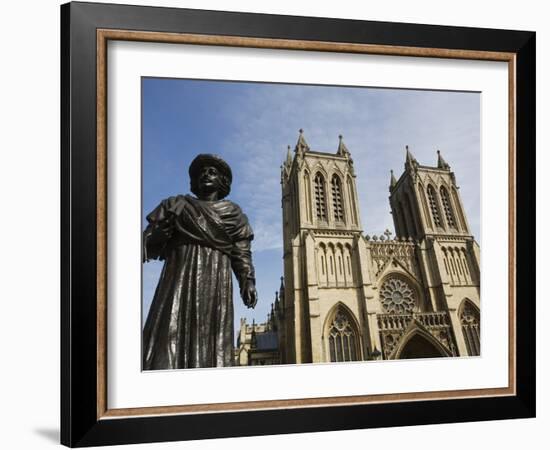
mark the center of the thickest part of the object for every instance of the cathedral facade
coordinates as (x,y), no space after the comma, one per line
(348,296)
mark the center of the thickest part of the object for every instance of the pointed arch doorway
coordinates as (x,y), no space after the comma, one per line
(421,345)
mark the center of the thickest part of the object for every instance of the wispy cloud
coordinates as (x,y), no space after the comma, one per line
(376,124)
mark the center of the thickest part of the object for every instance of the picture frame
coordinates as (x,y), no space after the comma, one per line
(86,418)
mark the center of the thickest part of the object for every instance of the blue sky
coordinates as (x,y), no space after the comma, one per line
(250,126)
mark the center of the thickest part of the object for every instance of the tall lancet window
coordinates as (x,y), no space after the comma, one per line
(342,338)
(447,207)
(320,197)
(337,205)
(307,189)
(433,205)
(469,319)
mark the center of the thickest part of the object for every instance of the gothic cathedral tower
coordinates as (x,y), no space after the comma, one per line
(350,297)
(426,207)
(324,256)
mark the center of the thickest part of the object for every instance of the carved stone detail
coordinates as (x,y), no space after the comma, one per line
(469,316)
(393,327)
(397,296)
(383,252)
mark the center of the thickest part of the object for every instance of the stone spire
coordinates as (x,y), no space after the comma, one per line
(393,181)
(441,163)
(288,156)
(287,164)
(282,291)
(342,149)
(277,300)
(410,160)
(301,145)
(253,335)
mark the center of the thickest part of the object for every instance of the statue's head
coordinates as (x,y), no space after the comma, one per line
(210,173)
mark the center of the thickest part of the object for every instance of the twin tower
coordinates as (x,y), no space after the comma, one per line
(349,297)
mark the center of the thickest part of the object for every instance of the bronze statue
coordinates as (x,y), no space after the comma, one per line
(201,240)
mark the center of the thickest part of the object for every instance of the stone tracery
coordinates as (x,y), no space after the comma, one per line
(397,297)
(342,338)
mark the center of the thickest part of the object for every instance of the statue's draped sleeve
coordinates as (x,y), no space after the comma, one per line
(155,239)
(241,255)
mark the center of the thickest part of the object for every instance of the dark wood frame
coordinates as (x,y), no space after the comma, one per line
(85,418)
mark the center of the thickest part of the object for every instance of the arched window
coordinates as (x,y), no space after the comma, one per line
(320,197)
(401,215)
(331,265)
(425,207)
(412,215)
(348,270)
(337,205)
(457,258)
(469,319)
(323,272)
(446,261)
(465,262)
(307,188)
(342,338)
(433,205)
(449,215)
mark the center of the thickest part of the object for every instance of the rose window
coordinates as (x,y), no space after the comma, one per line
(397,297)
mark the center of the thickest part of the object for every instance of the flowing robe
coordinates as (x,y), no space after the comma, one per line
(190,323)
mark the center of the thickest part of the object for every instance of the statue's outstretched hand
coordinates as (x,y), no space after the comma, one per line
(249,294)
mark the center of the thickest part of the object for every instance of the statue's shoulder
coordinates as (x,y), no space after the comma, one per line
(230,206)
(229,203)
(235,220)
(173,204)
(178,198)
(173,200)
(167,206)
